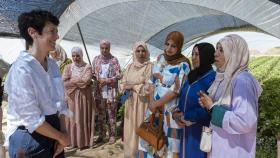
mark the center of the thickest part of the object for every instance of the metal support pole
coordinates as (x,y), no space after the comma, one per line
(83,41)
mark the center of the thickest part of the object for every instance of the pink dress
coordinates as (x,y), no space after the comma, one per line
(77,83)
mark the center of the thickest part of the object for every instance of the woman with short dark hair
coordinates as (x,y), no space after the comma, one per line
(36,105)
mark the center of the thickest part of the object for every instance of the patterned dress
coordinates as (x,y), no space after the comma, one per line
(106,105)
(172,131)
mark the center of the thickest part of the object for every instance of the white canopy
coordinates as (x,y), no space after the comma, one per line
(124,22)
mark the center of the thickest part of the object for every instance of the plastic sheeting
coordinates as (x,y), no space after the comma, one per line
(11,9)
(124,22)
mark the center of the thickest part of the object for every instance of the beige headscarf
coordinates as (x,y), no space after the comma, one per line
(136,63)
(236,54)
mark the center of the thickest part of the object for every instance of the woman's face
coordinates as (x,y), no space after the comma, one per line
(195,58)
(54,54)
(105,49)
(141,54)
(170,48)
(46,40)
(76,57)
(219,56)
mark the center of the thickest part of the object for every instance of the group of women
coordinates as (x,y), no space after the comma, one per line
(224,99)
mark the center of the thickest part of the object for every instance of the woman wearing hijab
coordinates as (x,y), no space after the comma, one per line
(134,78)
(190,114)
(77,80)
(233,101)
(60,56)
(169,71)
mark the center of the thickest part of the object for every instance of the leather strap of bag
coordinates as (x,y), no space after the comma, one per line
(152,118)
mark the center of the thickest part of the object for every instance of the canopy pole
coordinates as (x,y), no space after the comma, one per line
(83,41)
(128,62)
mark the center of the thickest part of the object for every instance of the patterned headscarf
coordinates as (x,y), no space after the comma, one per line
(109,56)
(236,54)
(136,63)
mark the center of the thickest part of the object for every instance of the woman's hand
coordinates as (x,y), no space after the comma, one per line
(177,115)
(128,86)
(204,100)
(58,148)
(177,84)
(102,82)
(154,105)
(151,89)
(64,140)
(158,76)
(74,80)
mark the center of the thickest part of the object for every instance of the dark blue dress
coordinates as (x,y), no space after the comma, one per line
(188,104)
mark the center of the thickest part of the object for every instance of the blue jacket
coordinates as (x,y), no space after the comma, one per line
(188,104)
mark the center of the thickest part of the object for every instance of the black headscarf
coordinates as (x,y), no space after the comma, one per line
(206,59)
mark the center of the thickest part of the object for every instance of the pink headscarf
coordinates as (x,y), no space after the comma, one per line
(109,56)
(136,63)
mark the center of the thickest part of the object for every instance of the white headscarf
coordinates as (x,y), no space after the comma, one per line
(78,50)
(236,54)
(104,41)
(77,68)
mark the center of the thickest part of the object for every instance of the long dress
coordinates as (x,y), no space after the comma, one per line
(188,104)
(135,105)
(80,101)
(237,136)
(172,131)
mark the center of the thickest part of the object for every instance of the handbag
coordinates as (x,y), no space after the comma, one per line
(206,139)
(152,132)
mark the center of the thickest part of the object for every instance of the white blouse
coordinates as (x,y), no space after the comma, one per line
(33,93)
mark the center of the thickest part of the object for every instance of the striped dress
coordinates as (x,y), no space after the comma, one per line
(172,131)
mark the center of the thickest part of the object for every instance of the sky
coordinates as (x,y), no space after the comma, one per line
(11,47)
